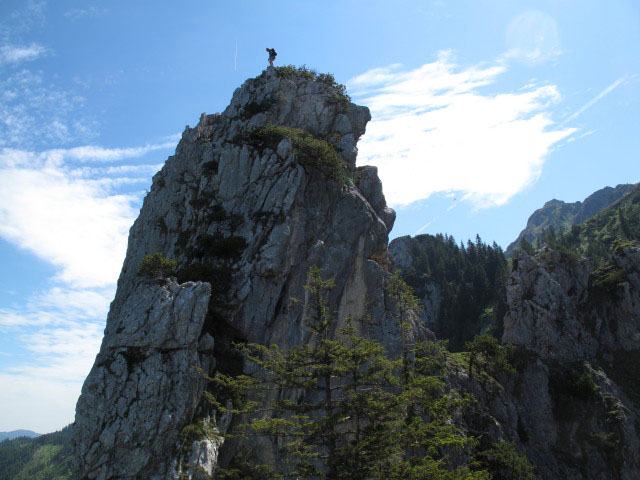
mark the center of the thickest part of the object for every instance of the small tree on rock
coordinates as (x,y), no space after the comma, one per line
(157,265)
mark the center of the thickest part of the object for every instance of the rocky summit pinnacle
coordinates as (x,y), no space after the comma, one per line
(253,197)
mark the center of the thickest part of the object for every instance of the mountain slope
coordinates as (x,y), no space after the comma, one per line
(560,216)
(18,433)
(597,237)
(252,199)
(462,287)
(47,457)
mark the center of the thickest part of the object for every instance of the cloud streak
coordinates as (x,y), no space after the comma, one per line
(433,130)
(35,112)
(79,13)
(598,97)
(20,53)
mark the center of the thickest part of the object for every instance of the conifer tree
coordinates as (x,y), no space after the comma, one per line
(407,304)
(333,409)
(343,409)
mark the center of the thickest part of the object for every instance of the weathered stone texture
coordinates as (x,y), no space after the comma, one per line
(560,311)
(283,217)
(144,385)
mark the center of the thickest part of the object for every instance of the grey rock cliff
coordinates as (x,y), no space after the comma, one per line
(582,332)
(251,220)
(401,250)
(560,311)
(144,385)
(245,220)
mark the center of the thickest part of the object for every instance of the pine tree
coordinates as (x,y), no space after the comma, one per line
(407,304)
(343,409)
(334,408)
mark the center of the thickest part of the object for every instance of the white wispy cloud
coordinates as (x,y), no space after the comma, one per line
(96,153)
(433,130)
(75,222)
(72,208)
(147,170)
(68,208)
(42,391)
(33,111)
(20,53)
(78,13)
(43,404)
(72,224)
(22,19)
(598,97)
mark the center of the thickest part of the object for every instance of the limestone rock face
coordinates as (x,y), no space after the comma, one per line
(544,294)
(571,407)
(561,312)
(144,385)
(578,326)
(249,221)
(246,218)
(401,251)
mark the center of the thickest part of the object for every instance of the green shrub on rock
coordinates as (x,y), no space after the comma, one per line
(309,150)
(487,355)
(156,265)
(504,462)
(339,94)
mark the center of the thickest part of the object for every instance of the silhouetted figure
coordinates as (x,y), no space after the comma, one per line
(272,55)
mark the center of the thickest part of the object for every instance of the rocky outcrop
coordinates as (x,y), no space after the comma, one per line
(561,215)
(247,217)
(249,202)
(579,334)
(144,386)
(402,251)
(562,312)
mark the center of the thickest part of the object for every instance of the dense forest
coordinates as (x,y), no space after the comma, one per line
(47,457)
(471,279)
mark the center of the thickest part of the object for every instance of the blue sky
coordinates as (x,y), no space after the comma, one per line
(482,111)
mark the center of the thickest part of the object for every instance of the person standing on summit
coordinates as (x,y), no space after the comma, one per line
(272,55)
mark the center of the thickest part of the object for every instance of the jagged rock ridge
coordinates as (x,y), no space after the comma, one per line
(573,406)
(561,215)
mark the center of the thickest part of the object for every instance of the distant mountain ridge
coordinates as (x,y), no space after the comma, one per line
(45,457)
(562,216)
(18,433)
(601,235)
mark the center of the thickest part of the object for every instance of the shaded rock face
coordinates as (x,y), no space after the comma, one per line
(582,332)
(545,294)
(401,251)
(566,433)
(571,408)
(248,221)
(561,215)
(560,311)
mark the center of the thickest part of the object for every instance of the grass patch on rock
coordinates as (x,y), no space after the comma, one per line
(309,150)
